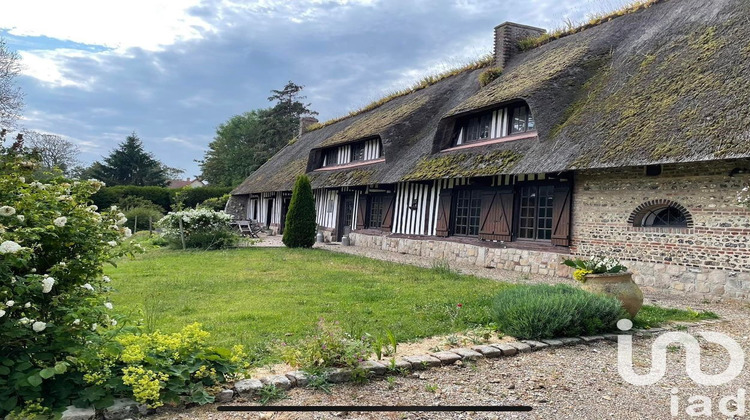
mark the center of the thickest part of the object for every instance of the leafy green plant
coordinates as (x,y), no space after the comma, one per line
(544,311)
(215,203)
(55,301)
(329,346)
(300,219)
(317,379)
(391,382)
(594,265)
(393,343)
(270,393)
(431,388)
(489,75)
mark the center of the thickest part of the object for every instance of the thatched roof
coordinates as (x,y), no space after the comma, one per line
(662,85)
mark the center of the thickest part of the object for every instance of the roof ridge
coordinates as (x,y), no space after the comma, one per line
(596,20)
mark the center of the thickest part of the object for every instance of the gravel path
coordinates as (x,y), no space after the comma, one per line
(578,382)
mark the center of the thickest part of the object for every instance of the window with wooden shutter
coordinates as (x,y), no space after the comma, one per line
(444,214)
(496,216)
(561,216)
(361,211)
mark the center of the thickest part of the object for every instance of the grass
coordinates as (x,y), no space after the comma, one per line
(570,27)
(654,316)
(251,295)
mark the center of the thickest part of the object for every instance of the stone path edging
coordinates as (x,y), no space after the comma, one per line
(250,387)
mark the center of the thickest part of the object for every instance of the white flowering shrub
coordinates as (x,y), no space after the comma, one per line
(201,228)
(53,297)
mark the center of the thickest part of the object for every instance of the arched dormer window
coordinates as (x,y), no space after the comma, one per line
(661,214)
(514,119)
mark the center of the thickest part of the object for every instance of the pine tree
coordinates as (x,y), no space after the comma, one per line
(300,219)
(130,164)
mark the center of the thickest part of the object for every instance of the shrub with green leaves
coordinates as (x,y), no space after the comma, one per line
(215,203)
(329,346)
(202,228)
(300,219)
(544,311)
(53,296)
(161,368)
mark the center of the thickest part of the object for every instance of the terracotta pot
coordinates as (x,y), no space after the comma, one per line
(620,285)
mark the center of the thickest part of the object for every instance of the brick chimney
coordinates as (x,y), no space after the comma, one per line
(305,122)
(507,36)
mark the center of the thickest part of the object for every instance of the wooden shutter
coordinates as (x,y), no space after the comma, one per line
(444,213)
(361,211)
(561,215)
(388,203)
(496,216)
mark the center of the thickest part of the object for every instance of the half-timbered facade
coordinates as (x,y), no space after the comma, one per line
(627,139)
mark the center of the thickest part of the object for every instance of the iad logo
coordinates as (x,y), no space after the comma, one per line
(692,360)
(699,405)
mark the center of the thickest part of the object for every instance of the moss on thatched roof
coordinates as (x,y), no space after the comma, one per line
(664,84)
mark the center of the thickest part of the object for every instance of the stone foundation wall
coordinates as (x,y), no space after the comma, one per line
(711,257)
(237,206)
(518,260)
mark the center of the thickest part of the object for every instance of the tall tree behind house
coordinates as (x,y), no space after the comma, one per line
(245,142)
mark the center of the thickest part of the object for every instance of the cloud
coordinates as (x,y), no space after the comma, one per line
(174,71)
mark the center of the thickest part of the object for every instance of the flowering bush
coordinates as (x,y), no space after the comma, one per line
(202,228)
(53,297)
(160,368)
(595,265)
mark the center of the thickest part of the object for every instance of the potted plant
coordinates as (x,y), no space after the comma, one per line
(608,276)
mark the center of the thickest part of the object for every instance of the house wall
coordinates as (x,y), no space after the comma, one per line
(711,257)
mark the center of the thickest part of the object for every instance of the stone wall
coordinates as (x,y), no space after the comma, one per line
(518,260)
(710,257)
(237,206)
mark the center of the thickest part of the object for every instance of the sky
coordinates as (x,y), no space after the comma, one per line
(173,70)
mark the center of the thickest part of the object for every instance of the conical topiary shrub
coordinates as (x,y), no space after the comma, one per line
(299,231)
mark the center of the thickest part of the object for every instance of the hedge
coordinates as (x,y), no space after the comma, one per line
(162,196)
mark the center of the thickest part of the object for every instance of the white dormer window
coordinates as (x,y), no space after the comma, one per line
(494,124)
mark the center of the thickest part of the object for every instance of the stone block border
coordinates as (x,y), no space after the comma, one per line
(249,387)
(124,409)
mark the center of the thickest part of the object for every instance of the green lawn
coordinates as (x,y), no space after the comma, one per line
(253,295)
(248,295)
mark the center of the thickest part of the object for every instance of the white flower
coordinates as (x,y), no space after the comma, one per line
(113,322)
(10,303)
(127,232)
(22,179)
(113,208)
(21,217)
(112,243)
(7,211)
(39,326)
(47,284)
(37,184)
(2,313)
(106,279)
(122,220)
(76,321)
(24,321)
(93,207)
(87,286)
(9,247)
(27,305)
(108,305)
(61,221)
(93,326)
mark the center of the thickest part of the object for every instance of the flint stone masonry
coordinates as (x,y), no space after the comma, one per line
(518,260)
(711,257)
